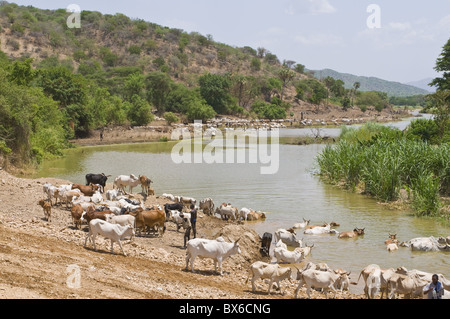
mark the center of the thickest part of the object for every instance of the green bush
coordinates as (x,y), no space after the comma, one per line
(171,118)
(424,129)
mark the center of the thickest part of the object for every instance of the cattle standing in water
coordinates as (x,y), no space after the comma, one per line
(352,234)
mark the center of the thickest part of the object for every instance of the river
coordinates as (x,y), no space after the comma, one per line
(290,195)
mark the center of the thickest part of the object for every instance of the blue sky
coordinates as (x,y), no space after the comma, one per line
(317,33)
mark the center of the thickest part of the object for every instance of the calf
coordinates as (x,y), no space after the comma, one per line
(47,207)
(77,213)
(392,239)
(115,233)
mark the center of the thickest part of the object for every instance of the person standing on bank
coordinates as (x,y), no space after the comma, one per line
(194,220)
(187,233)
(434,290)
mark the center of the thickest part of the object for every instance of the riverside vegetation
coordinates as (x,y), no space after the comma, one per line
(384,161)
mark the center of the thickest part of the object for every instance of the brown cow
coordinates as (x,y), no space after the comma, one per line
(352,234)
(77,212)
(91,214)
(257,216)
(145,184)
(147,219)
(86,190)
(392,239)
(47,207)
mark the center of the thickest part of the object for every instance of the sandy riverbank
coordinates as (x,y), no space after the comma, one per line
(35,254)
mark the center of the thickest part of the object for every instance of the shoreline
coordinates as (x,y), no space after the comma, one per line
(32,248)
(122,135)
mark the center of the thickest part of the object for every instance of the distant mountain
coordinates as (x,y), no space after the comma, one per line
(423,84)
(372,83)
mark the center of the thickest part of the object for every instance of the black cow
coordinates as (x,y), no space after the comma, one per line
(266,241)
(168,207)
(99,179)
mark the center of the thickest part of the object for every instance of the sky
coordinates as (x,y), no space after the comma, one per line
(404,45)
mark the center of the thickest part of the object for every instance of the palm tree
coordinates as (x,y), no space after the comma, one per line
(356,86)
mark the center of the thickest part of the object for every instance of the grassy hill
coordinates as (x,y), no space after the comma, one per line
(372,83)
(58,83)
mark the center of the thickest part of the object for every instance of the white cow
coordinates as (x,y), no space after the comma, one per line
(306,250)
(427,244)
(207,206)
(372,280)
(244,212)
(227,211)
(287,237)
(168,196)
(216,249)
(291,257)
(426,276)
(113,194)
(408,285)
(318,279)
(391,247)
(115,233)
(262,270)
(176,217)
(51,192)
(320,230)
(122,181)
(301,225)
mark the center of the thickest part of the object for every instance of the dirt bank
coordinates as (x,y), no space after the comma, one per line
(305,115)
(35,256)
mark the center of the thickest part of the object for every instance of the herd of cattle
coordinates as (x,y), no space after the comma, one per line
(118,217)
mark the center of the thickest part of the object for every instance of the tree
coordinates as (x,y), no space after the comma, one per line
(443,65)
(158,86)
(214,88)
(22,72)
(139,112)
(286,75)
(200,111)
(440,107)
(356,87)
(134,85)
(299,68)
(63,86)
(171,118)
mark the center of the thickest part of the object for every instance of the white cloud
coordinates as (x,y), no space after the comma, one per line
(400,26)
(310,7)
(318,39)
(321,6)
